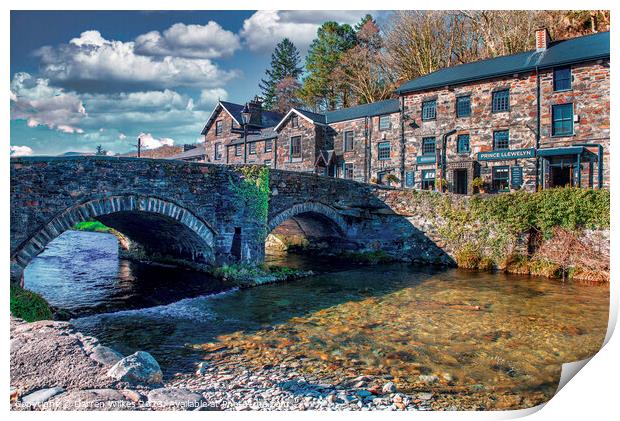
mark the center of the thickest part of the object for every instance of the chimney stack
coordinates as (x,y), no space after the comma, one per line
(543,39)
(256,108)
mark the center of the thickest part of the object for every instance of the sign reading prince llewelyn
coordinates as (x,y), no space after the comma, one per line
(507,154)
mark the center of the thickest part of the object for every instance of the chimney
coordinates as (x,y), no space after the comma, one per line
(188,147)
(256,108)
(543,39)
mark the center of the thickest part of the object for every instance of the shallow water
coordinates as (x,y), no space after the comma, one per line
(421,328)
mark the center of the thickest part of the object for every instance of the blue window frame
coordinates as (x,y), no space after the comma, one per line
(409,179)
(347,169)
(268,145)
(501,140)
(428,146)
(501,101)
(562,79)
(384,122)
(562,116)
(252,148)
(463,106)
(462,143)
(383,151)
(428,179)
(429,110)
(238,150)
(501,178)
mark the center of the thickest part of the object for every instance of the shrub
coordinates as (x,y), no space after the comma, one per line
(517,263)
(468,256)
(28,305)
(540,267)
(93,226)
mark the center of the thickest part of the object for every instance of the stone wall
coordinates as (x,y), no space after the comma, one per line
(312,140)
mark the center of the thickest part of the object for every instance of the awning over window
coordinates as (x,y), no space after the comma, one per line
(567,151)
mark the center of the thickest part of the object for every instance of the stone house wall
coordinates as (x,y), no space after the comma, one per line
(312,141)
(223,139)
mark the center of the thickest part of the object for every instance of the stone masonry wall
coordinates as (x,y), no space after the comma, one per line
(311,142)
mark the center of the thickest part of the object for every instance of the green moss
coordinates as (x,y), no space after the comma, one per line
(253,191)
(28,305)
(539,267)
(245,275)
(468,256)
(93,226)
(367,257)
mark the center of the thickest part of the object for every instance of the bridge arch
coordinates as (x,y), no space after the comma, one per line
(140,218)
(309,207)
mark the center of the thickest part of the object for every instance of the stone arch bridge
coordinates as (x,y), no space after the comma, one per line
(191,211)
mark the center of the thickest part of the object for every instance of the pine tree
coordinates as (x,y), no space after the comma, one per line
(323,89)
(285,63)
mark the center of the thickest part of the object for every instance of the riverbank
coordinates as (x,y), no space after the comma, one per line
(54,367)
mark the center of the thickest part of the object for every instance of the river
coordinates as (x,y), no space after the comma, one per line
(423,328)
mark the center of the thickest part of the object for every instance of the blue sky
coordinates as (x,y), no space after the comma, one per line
(80,79)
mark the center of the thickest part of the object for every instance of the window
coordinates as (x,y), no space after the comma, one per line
(383,151)
(463,106)
(462,143)
(217,153)
(348,141)
(237,150)
(409,179)
(562,79)
(428,146)
(501,101)
(500,179)
(384,122)
(296,147)
(218,127)
(428,179)
(252,148)
(268,145)
(501,140)
(429,110)
(267,162)
(562,116)
(294,121)
(348,170)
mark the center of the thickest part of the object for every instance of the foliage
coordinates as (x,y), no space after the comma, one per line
(93,226)
(287,94)
(101,151)
(323,89)
(28,305)
(367,257)
(477,182)
(285,63)
(249,275)
(253,191)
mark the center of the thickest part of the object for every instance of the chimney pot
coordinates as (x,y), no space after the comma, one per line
(543,39)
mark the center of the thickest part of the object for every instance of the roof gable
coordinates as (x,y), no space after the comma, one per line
(314,118)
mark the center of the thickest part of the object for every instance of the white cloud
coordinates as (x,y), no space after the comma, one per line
(40,104)
(147,141)
(93,63)
(189,41)
(21,151)
(265,28)
(210,97)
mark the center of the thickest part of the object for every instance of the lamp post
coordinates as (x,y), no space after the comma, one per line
(245,119)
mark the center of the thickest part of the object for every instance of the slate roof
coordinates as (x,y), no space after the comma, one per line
(559,53)
(266,133)
(325,155)
(315,117)
(268,118)
(192,153)
(387,106)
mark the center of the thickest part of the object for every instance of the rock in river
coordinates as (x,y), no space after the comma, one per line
(389,387)
(140,367)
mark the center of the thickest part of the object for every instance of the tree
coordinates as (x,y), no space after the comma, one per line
(100,151)
(287,94)
(285,63)
(322,88)
(363,67)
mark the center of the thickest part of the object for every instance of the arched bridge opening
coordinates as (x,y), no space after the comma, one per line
(147,226)
(309,228)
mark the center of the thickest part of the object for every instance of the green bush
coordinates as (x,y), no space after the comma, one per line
(28,305)
(93,226)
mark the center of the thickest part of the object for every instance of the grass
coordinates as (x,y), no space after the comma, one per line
(92,226)
(28,305)
(249,275)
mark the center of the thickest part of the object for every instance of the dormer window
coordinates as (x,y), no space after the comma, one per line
(218,127)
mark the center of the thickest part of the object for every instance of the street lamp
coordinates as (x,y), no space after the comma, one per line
(245,119)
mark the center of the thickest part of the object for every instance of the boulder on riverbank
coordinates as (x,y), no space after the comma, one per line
(138,368)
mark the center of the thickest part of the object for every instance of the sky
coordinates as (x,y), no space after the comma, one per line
(85,78)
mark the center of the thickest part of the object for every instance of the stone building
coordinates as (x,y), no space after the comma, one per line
(537,119)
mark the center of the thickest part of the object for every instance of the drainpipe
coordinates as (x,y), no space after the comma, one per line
(539,181)
(402,141)
(444,143)
(275,153)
